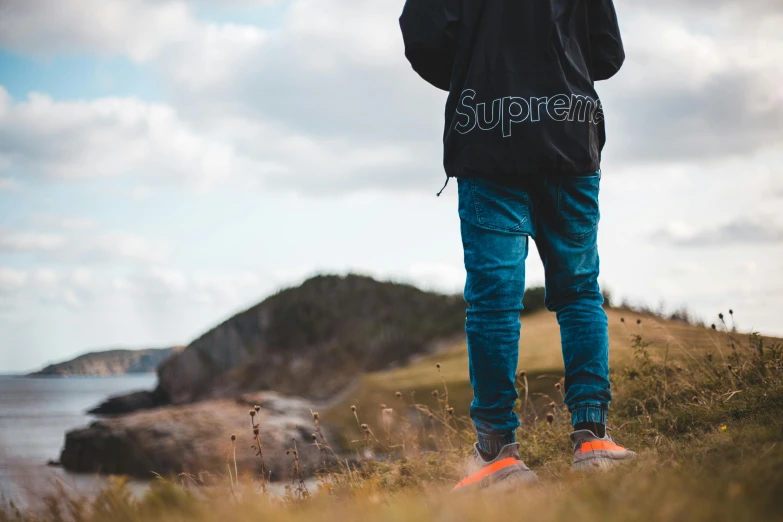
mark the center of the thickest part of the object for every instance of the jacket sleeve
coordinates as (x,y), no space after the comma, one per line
(606,44)
(429,31)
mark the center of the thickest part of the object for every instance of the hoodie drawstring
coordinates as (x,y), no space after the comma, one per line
(444,186)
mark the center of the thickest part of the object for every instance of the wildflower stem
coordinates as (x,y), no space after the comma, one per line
(234,451)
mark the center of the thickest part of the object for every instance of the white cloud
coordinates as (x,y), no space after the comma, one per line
(125,137)
(698,87)
(141,192)
(327,165)
(107,137)
(137,28)
(55,222)
(334,70)
(103,247)
(166,287)
(11,280)
(213,56)
(438,277)
(153,290)
(126,246)
(21,242)
(727,234)
(45,276)
(365,33)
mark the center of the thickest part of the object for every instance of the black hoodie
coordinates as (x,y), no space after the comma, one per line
(520,78)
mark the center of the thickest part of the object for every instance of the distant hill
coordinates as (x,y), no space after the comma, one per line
(110,362)
(312,340)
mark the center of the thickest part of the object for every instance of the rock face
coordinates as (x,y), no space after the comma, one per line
(312,341)
(143,400)
(195,438)
(110,362)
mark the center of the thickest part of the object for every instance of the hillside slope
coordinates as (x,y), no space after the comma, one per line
(539,347)
(313,340)
(539,355)
(110,362)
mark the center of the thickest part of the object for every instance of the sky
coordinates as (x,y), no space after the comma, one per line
(165,164)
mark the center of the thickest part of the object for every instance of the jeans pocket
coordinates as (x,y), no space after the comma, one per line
(491,206)
(577,205)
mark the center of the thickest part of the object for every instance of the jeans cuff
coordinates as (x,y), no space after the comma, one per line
(588,414)
(492,444)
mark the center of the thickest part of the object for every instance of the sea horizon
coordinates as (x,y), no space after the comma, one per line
(31,374)
(35,414)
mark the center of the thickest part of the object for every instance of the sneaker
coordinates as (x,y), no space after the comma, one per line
(503,473)
(594,453)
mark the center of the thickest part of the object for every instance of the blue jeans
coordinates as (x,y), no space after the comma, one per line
(561,214)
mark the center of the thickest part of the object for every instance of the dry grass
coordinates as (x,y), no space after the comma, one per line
(539,355)
(705,418)
(539,348)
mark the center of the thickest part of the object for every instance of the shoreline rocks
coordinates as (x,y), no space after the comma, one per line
(195,438)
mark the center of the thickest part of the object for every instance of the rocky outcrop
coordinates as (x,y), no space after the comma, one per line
(312,341)
(142,400)
(195,438)
(110,362)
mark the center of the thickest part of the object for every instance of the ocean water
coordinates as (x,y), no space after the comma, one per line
(35,414)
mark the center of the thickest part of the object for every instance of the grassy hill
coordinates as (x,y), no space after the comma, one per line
(312,340)
(539,355)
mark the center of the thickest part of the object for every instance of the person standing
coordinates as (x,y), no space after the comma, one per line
(523,137)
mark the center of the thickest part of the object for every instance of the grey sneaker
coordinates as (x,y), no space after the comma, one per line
(594,453)
(505,472)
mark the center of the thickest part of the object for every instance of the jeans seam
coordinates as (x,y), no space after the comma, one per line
(589,413)
(589,404)
(476,206)
(480,220)
(594,225)
(579,237)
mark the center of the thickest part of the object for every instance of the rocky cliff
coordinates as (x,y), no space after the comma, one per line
(312,341)
(110,362)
